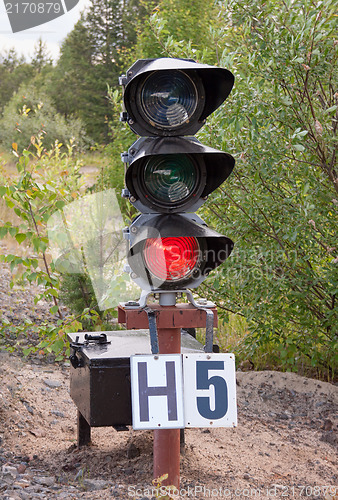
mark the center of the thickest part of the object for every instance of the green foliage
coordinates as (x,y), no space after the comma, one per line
(112,175)
(280,122)
(177,28)
(41,60)
(46,182)
(280,204)
(76,292)
(75,86)
(15,337)
(13,72)
(16,71)
(31,113)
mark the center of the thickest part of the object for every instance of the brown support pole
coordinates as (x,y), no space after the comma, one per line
(83,431)
(167,441)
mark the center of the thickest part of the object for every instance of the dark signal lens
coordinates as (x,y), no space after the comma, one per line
(169,179)
(168,98)
(171,259)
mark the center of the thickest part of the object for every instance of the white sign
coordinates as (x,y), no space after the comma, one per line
(209,390)
(157,391)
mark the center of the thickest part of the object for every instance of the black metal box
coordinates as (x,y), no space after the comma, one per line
(100,384)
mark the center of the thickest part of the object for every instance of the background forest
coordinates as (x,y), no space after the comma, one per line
(277,292)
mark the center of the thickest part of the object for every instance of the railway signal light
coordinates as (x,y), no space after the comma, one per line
(170,174)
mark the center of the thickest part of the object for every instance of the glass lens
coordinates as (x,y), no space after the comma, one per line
(168,98)
(171,259)
(170,178)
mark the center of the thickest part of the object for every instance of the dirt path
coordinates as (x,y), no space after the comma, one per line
(285,445)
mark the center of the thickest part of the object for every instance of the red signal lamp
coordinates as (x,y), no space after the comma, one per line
(174,252)
(171,259)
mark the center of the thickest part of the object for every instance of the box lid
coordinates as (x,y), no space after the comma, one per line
(125,343)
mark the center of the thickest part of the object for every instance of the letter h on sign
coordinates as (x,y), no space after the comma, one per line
(158,394)
(146,391)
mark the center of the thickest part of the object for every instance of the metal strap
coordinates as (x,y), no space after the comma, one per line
(152,330)
(209,332)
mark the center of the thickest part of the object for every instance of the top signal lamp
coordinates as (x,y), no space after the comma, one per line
(172,97)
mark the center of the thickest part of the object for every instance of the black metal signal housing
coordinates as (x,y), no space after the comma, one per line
(170,174)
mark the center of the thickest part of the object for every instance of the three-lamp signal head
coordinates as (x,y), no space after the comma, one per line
(170,174)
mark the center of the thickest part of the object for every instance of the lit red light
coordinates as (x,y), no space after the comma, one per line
(171,259)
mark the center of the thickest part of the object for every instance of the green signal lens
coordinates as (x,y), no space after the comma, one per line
(170,179)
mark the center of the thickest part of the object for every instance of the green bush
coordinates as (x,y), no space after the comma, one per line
(76,292)
(45,183)
(30,113)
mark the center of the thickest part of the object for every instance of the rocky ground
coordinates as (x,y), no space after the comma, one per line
(285,445)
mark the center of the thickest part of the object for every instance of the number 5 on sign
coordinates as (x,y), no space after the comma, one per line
(209,390)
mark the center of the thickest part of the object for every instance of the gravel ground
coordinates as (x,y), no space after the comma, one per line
(285,445)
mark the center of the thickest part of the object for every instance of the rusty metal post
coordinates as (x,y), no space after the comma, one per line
(167,441)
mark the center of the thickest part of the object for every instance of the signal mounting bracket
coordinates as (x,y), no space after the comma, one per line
(142,301)
(202,304)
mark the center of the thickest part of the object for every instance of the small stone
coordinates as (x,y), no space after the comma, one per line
(21,468)
(80,473)
(327,425)
(37,432)
(45,480)
(52,383)
(246,476)
(283,416)
(29,409)
(95,484)
(330,437)
(58,413)
(7,469)
(68,467)
(133,451)
(26,496)
(22,483)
